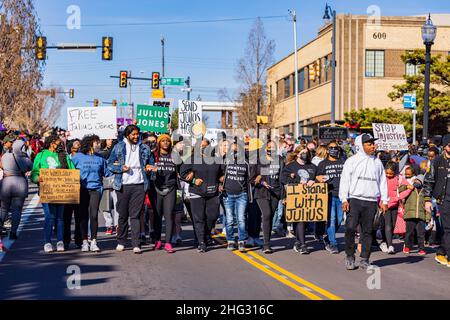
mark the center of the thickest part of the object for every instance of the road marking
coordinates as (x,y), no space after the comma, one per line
(283,275)
(291,275)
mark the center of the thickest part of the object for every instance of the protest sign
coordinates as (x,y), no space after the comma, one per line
(306,204)
(333,133)
(161,103)
(214,135)
(190,115)
(59,186)
(152,119)
(89,120)
(390,136)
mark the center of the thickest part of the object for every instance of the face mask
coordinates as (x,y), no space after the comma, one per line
(59,148)
(97,148)
(152,145)
(269,152)
(417,185)
(334,152)
(305,157)
(284,152)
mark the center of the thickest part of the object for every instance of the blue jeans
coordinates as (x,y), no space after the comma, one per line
(235,206)
(53,212)
(335,219)
(277,217)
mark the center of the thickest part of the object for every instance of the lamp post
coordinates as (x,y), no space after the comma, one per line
(297,128)
(428,36)
(326,17)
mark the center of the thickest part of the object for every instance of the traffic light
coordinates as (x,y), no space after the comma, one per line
(71,93)
(312,72)
(155,80)
(318,68)
(123,79)
(107,51)
(95,102)
(41,48)
(114,103)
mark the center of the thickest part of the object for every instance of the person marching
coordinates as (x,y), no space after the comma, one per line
(92,168)
(165,184)
(130,161)
(53,156)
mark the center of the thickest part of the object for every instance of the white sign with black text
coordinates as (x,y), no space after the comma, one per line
(89,120)
(390,136)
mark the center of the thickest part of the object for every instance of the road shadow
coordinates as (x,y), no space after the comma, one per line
(397,260)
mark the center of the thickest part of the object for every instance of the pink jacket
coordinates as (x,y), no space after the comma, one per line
(394,196)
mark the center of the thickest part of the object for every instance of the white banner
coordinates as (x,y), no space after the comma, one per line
(190,114)
(390,136)
(92,120)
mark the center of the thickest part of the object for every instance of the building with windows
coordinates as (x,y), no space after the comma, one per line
(368,65)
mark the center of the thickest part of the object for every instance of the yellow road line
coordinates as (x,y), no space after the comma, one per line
(277,277)
(310,285)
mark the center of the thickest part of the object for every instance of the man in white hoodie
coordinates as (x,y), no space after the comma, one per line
(363,186)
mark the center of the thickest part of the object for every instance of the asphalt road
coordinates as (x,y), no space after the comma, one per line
(27,273)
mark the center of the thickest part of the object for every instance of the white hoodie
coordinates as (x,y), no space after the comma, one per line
(363,177)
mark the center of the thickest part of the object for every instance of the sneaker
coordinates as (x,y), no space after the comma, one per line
(250,242)
(422,252)
(201,248)
(334,249)
(158,245)
(441,259)
(297,246)
(328,247)
(60,246)
(350,263)
(267,250)
(143,240)
(94,247)
(364,264)
(168,248)
(406,250)
(241,246)
(258,242)
(391,250)
(231,246)
(109,231)
(384,247)
(12,236)
(304,250)
(120,248)
(85,246)
(48,248)
(7,224)
(178,239)
(290,234)
(137,250)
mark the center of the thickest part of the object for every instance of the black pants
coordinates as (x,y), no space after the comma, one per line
(151,215)
(268,208)
(390,218)
(164,207)
(69,211)
(89,203)
(205,212)
(254,220)
(130,200)
(418,226)
(444,209)
(187,204)
(361,212)
(300,229)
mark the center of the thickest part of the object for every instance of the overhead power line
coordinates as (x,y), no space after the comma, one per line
(170,22)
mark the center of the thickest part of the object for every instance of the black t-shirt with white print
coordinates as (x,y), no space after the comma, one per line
(166,176)
(332,169)
(236,178)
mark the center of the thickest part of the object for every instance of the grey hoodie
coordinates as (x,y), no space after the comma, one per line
(19,157)
(363,177)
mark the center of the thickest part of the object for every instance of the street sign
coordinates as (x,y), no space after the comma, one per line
(172,82)
(409,101)
(157,94)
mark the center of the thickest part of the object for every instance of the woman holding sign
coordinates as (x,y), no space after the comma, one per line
(53,156)
(299,170)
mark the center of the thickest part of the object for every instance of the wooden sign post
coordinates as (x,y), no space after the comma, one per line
(307,204)
(60,186)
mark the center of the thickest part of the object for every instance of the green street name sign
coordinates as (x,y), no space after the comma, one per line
(172,81)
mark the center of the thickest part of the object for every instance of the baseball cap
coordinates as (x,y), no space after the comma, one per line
(367,137)
(8,139)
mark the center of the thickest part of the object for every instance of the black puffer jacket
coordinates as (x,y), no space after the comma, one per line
(435,183)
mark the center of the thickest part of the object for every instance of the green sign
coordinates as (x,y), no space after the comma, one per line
(152,119)
(172,82)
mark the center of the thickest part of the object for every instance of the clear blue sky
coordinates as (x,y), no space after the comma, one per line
(205,51)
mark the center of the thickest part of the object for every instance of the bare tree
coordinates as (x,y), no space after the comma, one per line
(20,72)
(251,74)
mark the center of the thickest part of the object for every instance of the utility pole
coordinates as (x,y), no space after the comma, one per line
(163,62)
(129,91)
(297,120)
